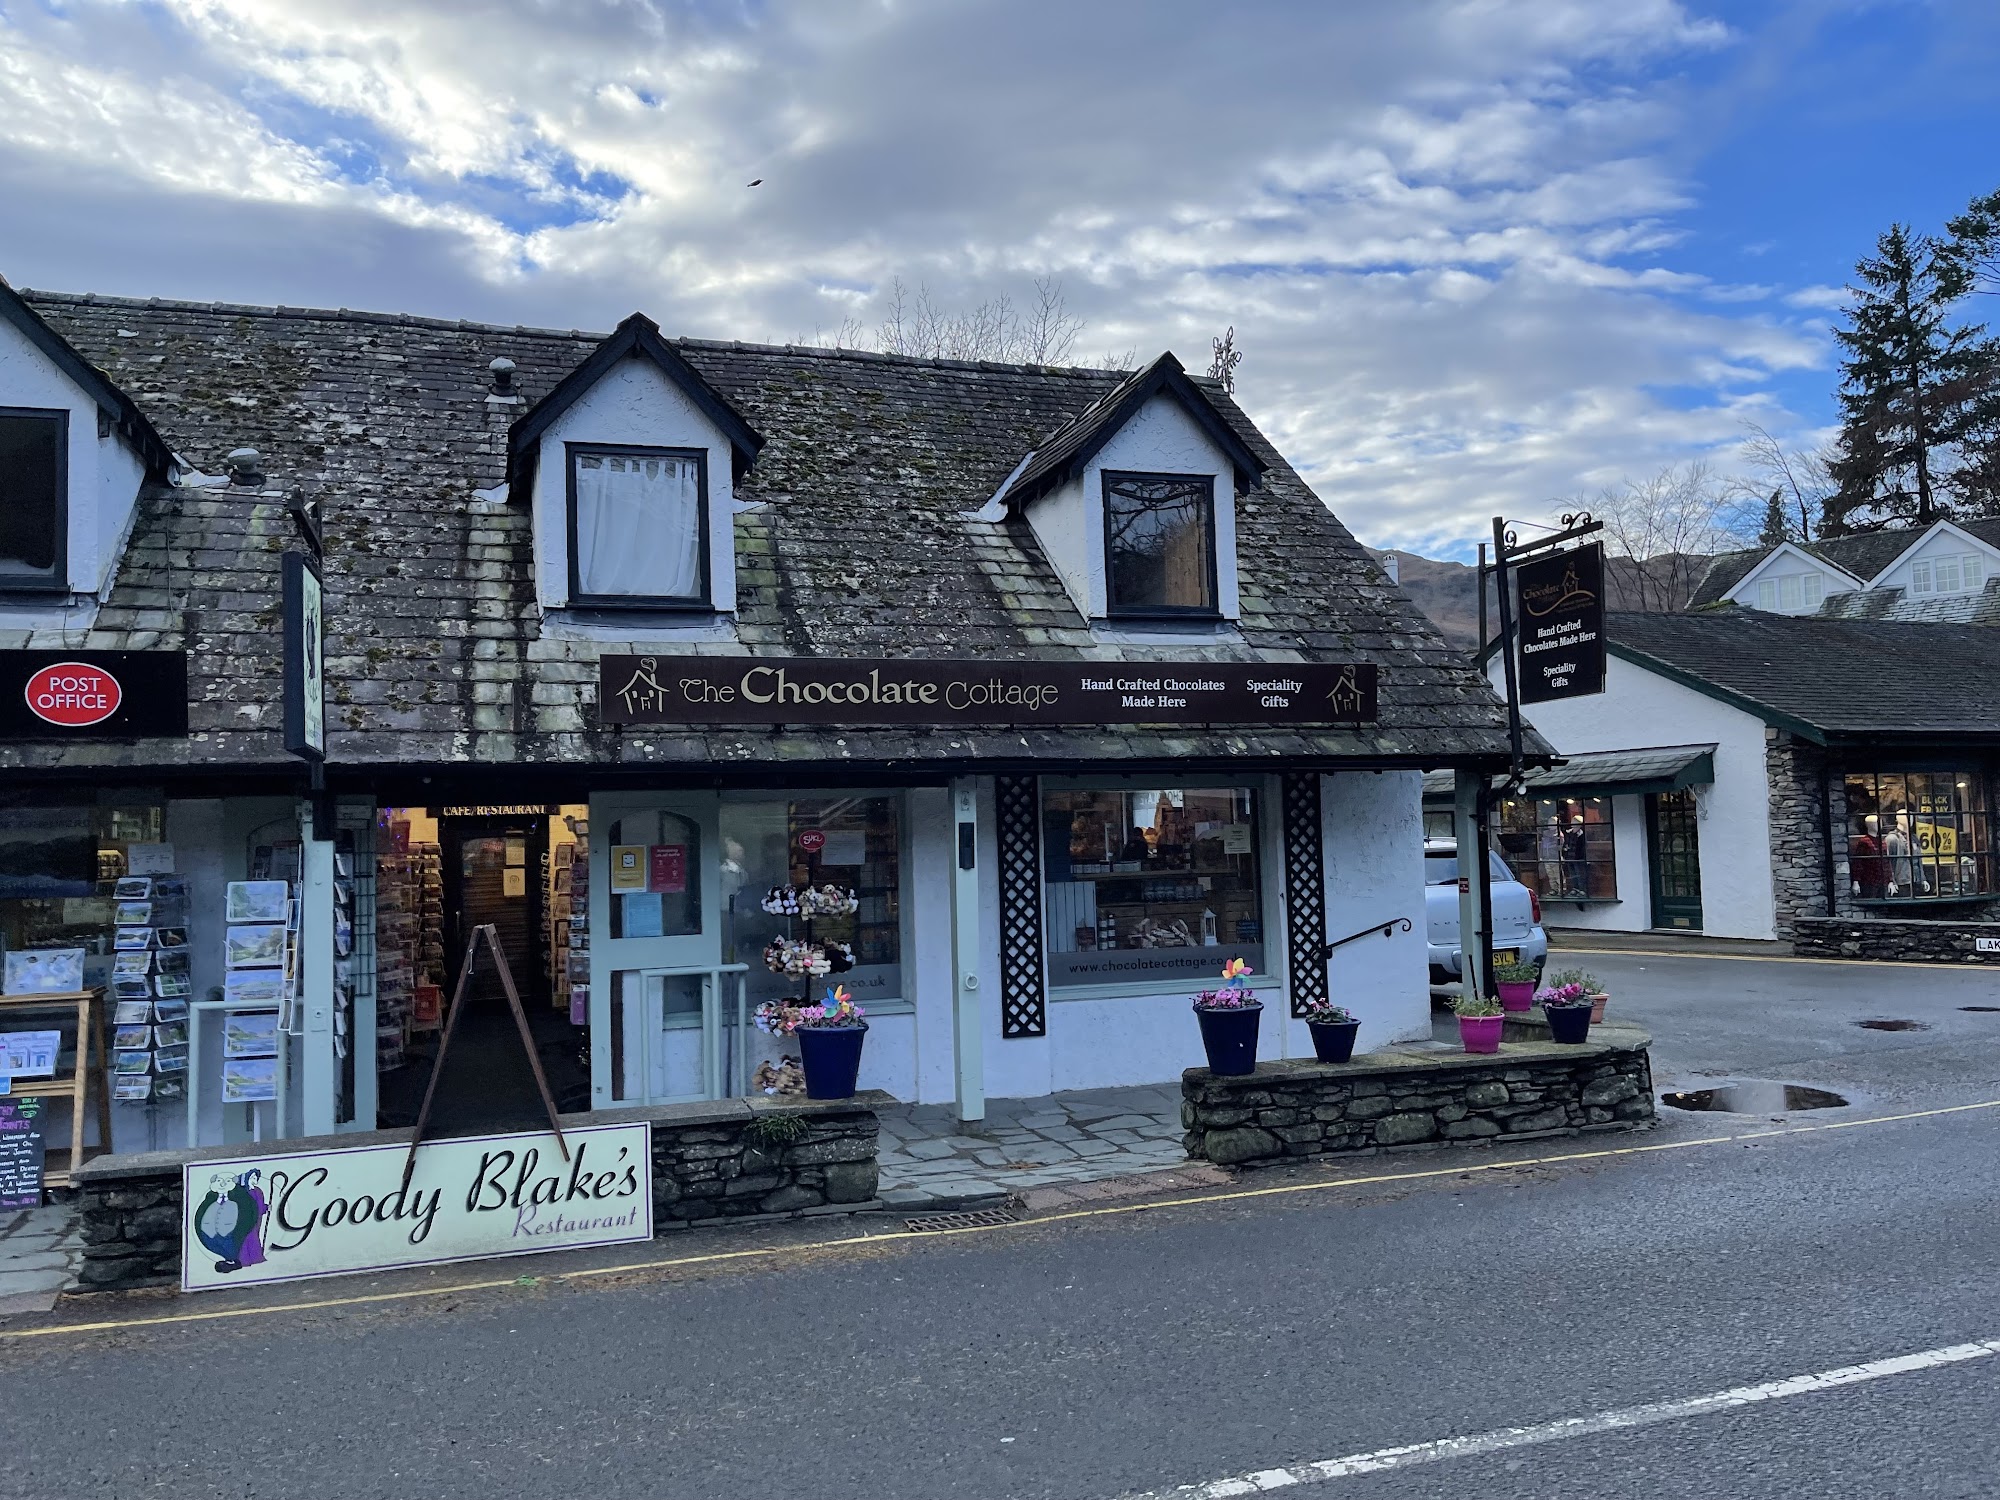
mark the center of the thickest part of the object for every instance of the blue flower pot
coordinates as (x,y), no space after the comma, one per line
(1569,1024)
(831,1058)
(1229,1037)
(1333,1041)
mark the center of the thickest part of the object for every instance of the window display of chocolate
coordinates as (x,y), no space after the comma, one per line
(1919,835)
(1146,875)
(1558,847)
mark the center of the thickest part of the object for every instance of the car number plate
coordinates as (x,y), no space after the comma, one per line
(1506,955)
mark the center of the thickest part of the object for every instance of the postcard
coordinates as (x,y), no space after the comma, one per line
(171,963)
(132,1036)
(173,985)
(255,947)
(170,937)
(132,989)
(171,1034)
(133,888)
(30,1054)
(132,965)
(253,987)
(170,1010)
(250,1033)
(128,1063)
(132,937)
(132,1090)
(134,913)
(247,1079)
(43,971)
(257,901)
(173,1086)
(131,1012)
(171,1060)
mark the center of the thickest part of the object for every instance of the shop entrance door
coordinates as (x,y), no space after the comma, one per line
(494,873)
(1674,855)
(662,1002)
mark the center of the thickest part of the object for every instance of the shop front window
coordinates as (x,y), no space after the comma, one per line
(1157,886)
(1558,847)
(778,846)
(1918,835)
(60,861)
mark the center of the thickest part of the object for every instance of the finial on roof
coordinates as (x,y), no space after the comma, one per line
(245,466)
(503,375)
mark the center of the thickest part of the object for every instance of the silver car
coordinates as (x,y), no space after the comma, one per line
(1517,914)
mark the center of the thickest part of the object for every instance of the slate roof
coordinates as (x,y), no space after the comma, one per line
(1828,678)
(1864,555)
(862,540)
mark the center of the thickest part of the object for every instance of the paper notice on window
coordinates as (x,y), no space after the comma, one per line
(844,847)
(517,852)
(149,859)
(513,882)
(628,867)
(1236,838)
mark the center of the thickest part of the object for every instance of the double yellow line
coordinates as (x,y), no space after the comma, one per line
(721,1257)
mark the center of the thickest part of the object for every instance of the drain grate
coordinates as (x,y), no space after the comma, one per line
(1892,1025)
(977,1218)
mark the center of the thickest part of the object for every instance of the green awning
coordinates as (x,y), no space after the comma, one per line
(1607,773)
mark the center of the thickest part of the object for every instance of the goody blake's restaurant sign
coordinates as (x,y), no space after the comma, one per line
(284,1217)
(841,690)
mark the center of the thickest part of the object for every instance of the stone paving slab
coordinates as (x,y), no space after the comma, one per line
(1061,1142)
(40,1249)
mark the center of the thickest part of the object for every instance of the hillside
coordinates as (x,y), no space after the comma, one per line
(1446,592)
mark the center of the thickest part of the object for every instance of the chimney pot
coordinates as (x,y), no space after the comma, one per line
(245,466)
(503,374)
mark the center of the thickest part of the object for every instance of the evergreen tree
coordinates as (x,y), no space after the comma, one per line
(1775,529)
(1914,390)
(1974,241)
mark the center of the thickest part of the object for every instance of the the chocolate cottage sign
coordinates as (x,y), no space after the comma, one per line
(843,690)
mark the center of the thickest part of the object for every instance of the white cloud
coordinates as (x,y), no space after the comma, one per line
(1443,229)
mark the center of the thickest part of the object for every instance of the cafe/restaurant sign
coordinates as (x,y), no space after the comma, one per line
(286,1217)
(680,690)
(65,695)
(1561,632)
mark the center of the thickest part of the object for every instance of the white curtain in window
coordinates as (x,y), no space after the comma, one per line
(638,525)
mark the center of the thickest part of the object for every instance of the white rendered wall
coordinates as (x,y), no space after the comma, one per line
(104,473)
(1638,710)
(1943,540)
(1373,830)
(634,403)
(1161,438)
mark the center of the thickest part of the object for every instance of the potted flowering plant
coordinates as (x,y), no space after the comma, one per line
(1333,1028)
(829,1035)
(1568,1008)
(1516,983)
(1480,1022)
(1592,986)
(1229,1017)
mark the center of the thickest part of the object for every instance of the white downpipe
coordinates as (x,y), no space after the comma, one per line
(968,1039)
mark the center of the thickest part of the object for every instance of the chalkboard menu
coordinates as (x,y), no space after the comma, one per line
(20,1153)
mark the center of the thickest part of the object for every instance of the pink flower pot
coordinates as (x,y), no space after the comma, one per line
(1481,1033)
(1517,994)
(1597,1008)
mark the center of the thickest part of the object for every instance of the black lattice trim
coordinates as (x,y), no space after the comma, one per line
(1305,891)
(1024,1008)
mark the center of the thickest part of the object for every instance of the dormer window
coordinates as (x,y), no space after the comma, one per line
(638,527)
(1965,574)
(1159,545)
(34,500)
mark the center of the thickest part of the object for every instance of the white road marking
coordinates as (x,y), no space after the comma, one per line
(1266,1480)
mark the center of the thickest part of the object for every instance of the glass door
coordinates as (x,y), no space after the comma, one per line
(660,995)
(1676,860)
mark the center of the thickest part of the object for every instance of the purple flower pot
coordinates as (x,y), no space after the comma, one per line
(1229,1037)
(1517,995)
(1481,1033)
(831,1058)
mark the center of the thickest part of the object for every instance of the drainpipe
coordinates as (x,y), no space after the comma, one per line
(968,1040)
(317,1066)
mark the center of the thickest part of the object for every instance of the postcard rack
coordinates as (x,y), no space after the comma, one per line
(88,1065)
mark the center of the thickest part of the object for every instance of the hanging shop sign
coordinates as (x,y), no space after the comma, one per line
(1561,634)
(305,659)
(328,1213)
(839,690)
(59,695)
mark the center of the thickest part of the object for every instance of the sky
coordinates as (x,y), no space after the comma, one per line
(1481,256)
